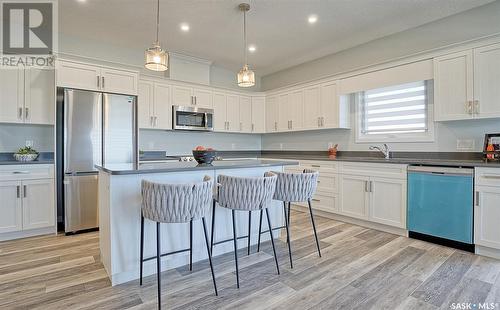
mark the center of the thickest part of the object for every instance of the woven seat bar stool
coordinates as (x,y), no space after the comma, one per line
(244,194)
(294,187)
(175,203)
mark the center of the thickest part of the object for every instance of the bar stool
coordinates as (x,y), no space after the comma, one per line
(244,194)
(294,187)
(175,203)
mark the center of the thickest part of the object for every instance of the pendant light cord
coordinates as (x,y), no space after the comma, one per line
(158,22)
(245,36)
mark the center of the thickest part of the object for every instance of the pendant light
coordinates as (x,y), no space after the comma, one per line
(156,57)
(246,77)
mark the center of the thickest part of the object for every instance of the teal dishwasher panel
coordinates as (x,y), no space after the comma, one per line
(441,205)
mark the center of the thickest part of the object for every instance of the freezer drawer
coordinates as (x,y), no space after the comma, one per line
(80,208)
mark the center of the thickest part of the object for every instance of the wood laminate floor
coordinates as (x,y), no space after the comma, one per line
(360,269)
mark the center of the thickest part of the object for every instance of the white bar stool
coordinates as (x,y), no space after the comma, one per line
(175,203)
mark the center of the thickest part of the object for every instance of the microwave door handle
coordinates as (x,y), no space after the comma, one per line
(206,120)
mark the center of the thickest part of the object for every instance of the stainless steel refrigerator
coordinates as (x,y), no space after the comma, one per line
(97,128)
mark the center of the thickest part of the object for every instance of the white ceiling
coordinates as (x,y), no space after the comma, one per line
(278,28)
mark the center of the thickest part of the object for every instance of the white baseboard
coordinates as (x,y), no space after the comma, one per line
(486,251)
(347,219)
(28,233)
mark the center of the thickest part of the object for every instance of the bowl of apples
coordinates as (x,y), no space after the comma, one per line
(204,155)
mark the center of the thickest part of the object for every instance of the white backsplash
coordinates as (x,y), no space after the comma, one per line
(183,142)
(14,136)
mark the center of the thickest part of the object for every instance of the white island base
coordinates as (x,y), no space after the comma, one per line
(119,222)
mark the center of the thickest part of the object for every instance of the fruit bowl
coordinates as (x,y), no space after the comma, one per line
(25,157)
(204,156)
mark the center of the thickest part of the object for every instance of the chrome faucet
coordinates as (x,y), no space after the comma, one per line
(385,150)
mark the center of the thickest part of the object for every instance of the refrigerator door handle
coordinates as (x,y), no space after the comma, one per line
(102,82)
(98,81)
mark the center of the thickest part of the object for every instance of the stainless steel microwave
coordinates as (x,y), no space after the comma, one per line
(189,118)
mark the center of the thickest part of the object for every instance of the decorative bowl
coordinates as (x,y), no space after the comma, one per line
(25,157)
(204,157)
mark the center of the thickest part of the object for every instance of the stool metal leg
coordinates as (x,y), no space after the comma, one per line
(289,204)
(235,249)
(314,227)
(142,248)
(272,240)
(260,231)
(158,262)
(249,229)
(213,228)
(209,255)
(191,245)
(288,234)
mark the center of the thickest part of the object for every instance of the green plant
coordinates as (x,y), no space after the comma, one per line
(26,150)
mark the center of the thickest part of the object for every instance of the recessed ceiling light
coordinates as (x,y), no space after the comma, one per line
(252,48)
(312,19)
(81,1)
(184,27)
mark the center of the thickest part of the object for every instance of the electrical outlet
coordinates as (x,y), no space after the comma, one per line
(465,145)
(28,143)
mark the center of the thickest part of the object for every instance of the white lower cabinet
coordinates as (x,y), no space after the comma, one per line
(388,201)
(354,196)
(487,211)
(11,218)
(38,203)
(28,199)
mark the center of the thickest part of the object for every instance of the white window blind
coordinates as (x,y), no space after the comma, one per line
(395,109)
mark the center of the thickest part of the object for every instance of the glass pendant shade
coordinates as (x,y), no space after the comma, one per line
(246,77)
(156,58)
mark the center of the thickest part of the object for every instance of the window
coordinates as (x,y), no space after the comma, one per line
(401,113)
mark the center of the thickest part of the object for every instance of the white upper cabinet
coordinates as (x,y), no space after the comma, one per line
(39,96)
(233,113)
(453,86)
(312,107)
(272,114)
(220,111)
(145,105)
(487,81)
(258,114)
(194,97)
(333,112)
(118,81)
(284,113)
(162,106)
(295,106)
(12,95)
(154,107)
(98,78)
(27,96)
(182,96)
(245,114)
(202,98)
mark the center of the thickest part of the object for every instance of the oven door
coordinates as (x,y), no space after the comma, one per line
(188,118)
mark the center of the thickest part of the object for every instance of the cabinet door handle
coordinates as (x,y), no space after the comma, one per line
(476,107)
(477,199)
(241,126)
(314,199)
(20,116)
(156,121)
(291,124)
(18,190)
(25,191)
(20,172)
(26,113)
(322,121)
(492,177)
(366,186)
(98,81)
(275,126)
(253,127)
(371,186)
(102,82)
(195,100)
(316,166)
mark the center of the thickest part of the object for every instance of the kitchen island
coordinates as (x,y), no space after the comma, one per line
(120,205)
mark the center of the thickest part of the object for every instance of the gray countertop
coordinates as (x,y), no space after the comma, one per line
(121,169)
(408,161)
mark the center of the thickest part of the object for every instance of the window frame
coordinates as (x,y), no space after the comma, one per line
(411,137)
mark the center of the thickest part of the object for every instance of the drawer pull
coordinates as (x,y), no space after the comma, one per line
(492,177)
(20,172)
(317,200)
(316,166)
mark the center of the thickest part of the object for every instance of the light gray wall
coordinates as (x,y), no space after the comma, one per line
(106,51)
(13,137)
(183,142)
(475,23)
